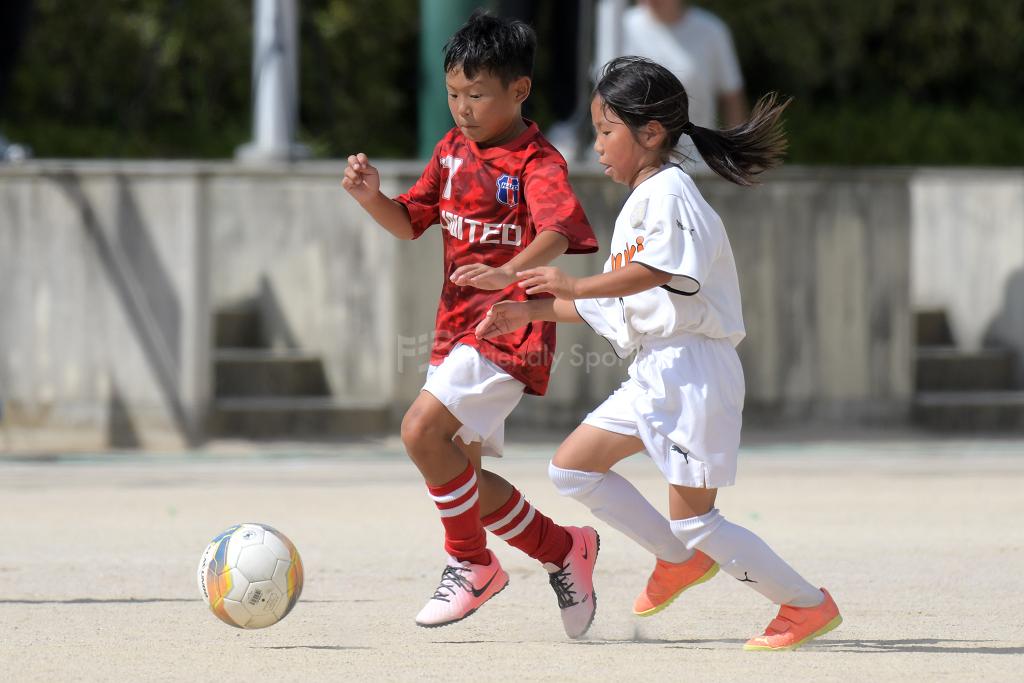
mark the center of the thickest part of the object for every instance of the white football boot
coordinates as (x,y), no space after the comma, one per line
(573,582)
(464,587)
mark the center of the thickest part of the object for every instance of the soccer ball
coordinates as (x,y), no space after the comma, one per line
(250,575)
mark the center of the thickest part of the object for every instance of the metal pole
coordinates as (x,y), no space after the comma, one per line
(439,19)
(275,80)
(608,43)
(584,80)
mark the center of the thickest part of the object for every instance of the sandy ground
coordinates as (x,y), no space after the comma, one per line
(920,542)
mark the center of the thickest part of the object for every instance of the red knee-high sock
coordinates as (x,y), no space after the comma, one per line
(523,526)
(458,503)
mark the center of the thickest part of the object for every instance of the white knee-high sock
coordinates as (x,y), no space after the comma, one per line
(617,502)
(744,556)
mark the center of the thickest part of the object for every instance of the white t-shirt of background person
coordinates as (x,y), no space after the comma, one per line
(666,224)
(698,49)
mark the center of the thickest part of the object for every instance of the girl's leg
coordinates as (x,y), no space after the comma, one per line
(740,552)
(805,613)
(581,469)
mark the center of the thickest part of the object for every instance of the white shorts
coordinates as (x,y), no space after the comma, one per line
(478,393)
(684,400)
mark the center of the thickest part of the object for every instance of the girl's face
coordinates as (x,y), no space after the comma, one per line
(625,159)
(485,110)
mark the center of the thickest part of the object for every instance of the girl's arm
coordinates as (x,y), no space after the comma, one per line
(508,316)
(547,246)
(630,279)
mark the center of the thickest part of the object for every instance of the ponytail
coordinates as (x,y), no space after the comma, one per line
(742,153)
(639,90)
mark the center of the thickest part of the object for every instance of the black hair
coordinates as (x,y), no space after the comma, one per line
(501,47)
(638,91)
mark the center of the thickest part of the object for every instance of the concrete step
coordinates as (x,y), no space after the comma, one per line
(302,417)
(237,328)
(265,372)
(970,410)
(933,328)
(942,368)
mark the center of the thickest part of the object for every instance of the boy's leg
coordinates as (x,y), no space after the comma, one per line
(473,574)
(806,613)
(506,513)
(567,553)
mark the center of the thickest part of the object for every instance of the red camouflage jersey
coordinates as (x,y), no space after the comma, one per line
(492,203)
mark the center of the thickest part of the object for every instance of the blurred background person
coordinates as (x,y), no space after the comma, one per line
(13,23)
(697,47)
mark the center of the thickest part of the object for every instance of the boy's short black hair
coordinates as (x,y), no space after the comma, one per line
(502,47)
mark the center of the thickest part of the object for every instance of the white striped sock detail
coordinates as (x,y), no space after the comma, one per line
(459,509)
(457,493)
(509,517)
(519,527)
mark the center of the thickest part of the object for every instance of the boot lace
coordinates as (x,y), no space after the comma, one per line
(451,578)
(562,585)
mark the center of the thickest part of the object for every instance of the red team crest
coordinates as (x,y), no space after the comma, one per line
(492,203)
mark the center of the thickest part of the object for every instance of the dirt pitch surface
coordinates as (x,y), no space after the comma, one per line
(920,542)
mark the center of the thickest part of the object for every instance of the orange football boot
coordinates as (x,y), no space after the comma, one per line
(796,625)
(668,580)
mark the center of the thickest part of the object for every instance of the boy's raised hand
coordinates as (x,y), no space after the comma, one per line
(361,179)
(504,317)
(482,276)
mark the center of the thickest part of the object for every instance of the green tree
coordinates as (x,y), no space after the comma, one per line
(133,78)
(889,81)
(875,81)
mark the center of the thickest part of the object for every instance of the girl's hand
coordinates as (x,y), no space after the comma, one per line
(361,179)
(548,279)
(482,276)
(504,317)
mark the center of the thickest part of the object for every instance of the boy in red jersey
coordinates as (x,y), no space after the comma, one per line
(501,193)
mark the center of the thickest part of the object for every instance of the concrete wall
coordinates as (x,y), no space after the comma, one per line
(968,256)
(823,265)
(110,274)
(104,293)
(319,272)
(823,257)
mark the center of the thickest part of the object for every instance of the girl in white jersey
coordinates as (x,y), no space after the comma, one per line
(670,294)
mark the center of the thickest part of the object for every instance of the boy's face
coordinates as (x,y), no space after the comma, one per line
(483,108)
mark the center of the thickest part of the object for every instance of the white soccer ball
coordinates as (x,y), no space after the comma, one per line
(250,575)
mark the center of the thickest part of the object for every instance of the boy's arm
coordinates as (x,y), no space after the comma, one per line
(362,180)
(508,316)
(391,215)
(544,249)
(631,279)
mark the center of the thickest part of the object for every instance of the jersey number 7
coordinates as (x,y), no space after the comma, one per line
(453,164)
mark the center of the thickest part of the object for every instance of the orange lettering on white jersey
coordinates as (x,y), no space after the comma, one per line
(624,257)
